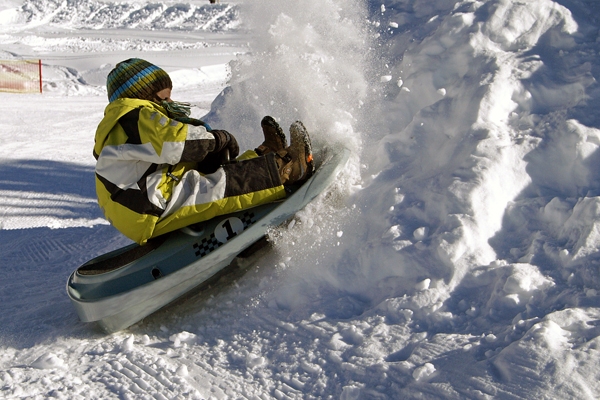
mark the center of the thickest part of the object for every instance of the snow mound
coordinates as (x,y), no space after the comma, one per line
(49,361)
(93,14)
(65,81)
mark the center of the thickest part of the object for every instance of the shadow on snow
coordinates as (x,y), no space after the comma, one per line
(36,262)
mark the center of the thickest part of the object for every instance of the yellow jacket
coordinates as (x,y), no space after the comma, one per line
(146,180)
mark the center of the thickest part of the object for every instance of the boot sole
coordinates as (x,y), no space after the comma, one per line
(270,121)
(298,132)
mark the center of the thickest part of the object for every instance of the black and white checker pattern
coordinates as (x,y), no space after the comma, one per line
(248,219)
(208,245)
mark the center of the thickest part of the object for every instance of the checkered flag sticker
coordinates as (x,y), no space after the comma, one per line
(225,231)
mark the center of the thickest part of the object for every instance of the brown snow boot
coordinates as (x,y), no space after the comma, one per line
(296,163)
(275,139)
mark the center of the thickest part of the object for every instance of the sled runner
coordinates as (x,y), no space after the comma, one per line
(122,287)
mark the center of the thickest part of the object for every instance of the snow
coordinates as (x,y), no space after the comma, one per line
(456,257)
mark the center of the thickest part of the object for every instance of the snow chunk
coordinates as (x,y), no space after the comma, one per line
(582,228)
(392,233)
(337,342)
(401,244)
(255,361)
(421,233)
(386,78)
(49,361)
(550,333)
(310,367)
(423,372)
(181,338)
(352,335)
(351,392)
(127,344)
(182,371)
(491,338)
(423,285)
(524,280)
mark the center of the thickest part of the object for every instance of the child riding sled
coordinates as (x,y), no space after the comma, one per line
(158,170)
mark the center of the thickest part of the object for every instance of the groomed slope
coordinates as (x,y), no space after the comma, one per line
(457,257)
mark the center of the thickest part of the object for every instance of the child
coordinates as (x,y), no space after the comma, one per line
(159,170)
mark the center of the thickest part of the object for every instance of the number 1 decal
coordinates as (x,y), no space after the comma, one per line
(228,229)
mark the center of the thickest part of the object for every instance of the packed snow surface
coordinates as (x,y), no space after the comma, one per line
(456,257)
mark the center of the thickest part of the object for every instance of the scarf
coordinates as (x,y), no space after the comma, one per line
(181,112)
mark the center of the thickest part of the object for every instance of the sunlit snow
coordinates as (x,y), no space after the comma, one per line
(457,256)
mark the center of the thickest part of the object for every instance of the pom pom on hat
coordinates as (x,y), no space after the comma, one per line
(136,78)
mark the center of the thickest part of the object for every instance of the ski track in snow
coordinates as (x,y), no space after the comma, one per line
(457,256)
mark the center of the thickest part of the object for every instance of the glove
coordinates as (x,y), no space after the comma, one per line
(225,141)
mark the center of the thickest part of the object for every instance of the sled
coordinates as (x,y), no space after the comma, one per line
(124,286)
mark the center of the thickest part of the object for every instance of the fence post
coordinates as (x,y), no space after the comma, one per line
(40,65)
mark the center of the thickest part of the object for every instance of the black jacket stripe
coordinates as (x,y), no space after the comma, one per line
(129,123)
(134,199)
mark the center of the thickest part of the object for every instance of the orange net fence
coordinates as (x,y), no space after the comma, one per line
(21,76)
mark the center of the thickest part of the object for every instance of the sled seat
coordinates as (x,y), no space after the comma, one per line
(120,258)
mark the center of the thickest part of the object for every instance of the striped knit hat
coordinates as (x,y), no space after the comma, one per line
(136,78)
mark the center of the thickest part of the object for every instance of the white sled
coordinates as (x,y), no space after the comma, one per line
(122,287)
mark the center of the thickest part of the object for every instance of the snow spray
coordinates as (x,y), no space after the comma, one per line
(306,62)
